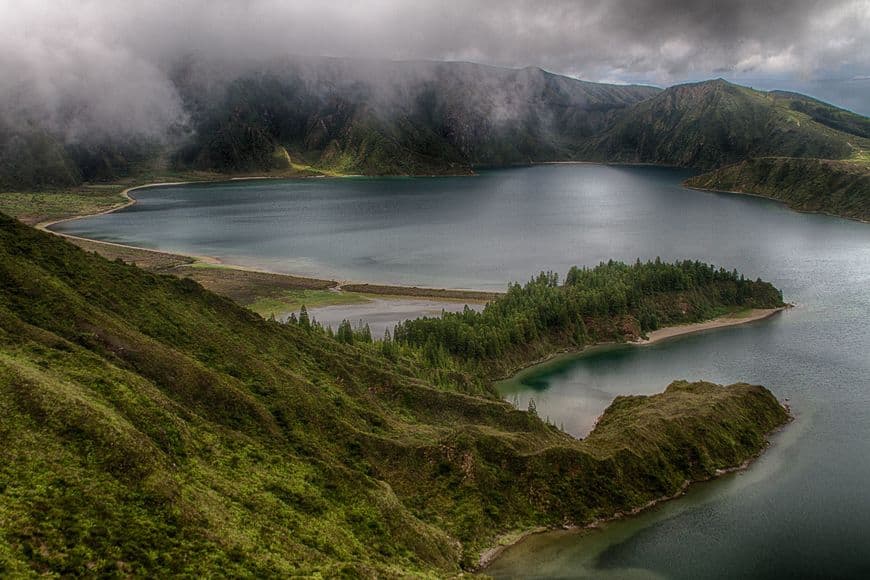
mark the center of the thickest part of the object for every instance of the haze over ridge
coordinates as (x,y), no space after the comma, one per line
(87,69)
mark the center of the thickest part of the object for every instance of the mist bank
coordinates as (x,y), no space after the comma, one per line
(356,116)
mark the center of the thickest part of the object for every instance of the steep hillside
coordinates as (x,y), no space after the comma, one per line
(716,123)
(419,118)
(816,185)
(151,428)
(402,117)
(31,158)
(824,113)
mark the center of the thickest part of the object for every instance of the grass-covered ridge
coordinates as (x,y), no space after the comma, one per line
(838,187)
(715,123)
(151,428)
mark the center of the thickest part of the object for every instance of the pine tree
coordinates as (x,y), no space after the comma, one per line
(345,332)
(533,407)
(304,321)
(388,348)
(364,333)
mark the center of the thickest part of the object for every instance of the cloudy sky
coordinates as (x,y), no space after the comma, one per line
(111,53)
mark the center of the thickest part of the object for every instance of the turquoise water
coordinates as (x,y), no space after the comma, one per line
(803,510)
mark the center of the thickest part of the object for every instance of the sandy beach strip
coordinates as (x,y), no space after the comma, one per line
(721,322)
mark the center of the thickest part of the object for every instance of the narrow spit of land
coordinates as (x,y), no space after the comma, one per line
(733,319)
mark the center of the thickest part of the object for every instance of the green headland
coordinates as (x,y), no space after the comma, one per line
(153,428)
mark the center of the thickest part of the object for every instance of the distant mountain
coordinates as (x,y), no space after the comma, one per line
(715,123)
(406,117)
(419,118)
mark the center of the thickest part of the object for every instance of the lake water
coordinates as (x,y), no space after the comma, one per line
(803,510)
(383,314)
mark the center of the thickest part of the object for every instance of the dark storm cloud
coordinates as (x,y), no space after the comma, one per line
(92,66)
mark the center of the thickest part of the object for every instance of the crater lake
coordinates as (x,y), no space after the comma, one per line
(801,510)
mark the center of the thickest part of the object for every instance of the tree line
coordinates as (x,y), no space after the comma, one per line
(610,301)
(590,306)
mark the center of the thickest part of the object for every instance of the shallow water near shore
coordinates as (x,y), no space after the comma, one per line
(802,510)
(383,314)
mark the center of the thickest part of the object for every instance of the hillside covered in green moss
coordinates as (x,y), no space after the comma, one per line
(815,185)
(151,428)
(714,123)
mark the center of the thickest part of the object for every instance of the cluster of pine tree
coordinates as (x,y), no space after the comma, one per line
(593,304)
(610,302)
(346,332)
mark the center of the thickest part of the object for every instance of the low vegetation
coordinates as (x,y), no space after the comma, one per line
(293,300)
(33,207)
(152,428)
(815,185)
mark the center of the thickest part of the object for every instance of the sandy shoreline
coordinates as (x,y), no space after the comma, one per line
(653,337)
(721,322)
(385,290)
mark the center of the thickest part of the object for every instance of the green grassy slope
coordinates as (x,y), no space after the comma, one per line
(824,113)
(816,185)
(715,123)
(152,428)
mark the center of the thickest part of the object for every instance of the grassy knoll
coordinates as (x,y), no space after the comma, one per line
(38,206)
(153,428)
(248,287)
(292,300)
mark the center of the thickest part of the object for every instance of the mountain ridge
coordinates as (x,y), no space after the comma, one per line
(714,123)
(308,116)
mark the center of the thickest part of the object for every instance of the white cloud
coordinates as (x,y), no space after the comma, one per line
(106,64)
